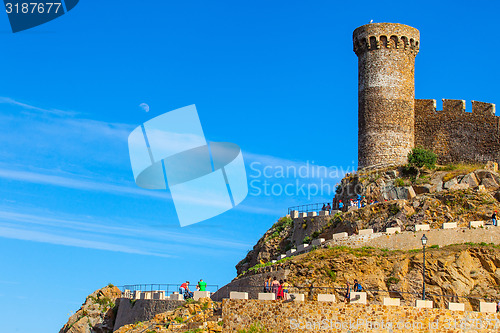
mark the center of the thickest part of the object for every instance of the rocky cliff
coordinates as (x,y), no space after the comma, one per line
(448,194)
(97,314)
(468,270)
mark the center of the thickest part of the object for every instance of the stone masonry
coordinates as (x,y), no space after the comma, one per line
(391,121)
(311,316)
(386,91)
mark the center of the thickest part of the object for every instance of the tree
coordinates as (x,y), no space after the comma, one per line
(420,158)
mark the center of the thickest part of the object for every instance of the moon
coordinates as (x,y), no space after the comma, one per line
(144,106)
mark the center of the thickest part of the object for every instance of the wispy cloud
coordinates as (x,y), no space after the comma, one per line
(44,237)
(79,183)
(10,101)
(105,234)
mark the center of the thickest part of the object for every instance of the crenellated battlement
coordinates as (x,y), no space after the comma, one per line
(391,36)
(375,42)
(391,121)
(454,106)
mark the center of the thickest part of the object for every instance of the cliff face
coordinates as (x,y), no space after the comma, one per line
(460,270)
(457,195)
(97,314)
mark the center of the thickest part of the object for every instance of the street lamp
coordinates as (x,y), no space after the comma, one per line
(424,242)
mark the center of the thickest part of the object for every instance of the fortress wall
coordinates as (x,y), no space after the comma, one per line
(456,135)
(312,316)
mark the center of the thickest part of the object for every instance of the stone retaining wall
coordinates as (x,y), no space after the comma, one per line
(131,311)
(284,317)
(411,240)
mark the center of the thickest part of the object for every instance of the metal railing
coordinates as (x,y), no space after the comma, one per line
(167,287)
(314,207)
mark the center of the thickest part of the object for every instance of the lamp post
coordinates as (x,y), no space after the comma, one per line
(424,242)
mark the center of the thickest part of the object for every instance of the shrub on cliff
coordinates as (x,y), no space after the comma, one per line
(420,158)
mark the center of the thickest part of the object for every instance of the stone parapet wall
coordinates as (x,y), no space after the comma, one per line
(409,240)
(285,317)
(131,311)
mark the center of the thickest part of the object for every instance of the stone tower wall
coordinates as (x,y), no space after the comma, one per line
(456,135)
(386,91)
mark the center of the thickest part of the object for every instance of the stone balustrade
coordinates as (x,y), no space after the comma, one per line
(358,298)
(449,225)
(391,301)
(476,224)
(419,303)
(267,296)
(326,298)
(422,227)
(487,307)
(393,230)
(297,297)
(456,306)
(238,295)
(340,235)
(200,294)
(365,232)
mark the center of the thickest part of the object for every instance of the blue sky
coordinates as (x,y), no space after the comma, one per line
(278,78)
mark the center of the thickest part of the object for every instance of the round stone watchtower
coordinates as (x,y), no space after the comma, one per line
(386,92)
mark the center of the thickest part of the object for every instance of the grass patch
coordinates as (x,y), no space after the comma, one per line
(331,274)
(255,328)
(459,170)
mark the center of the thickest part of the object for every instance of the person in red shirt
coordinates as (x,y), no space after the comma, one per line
(281,294)
(184,289)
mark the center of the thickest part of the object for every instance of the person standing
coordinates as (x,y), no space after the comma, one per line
(347,293)
(494,218)
(286,285)
(357,287)
(341,206)
(281,293)
(203,285)
(267,284)
(275,286)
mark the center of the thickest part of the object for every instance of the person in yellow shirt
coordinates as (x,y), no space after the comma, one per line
(286,285)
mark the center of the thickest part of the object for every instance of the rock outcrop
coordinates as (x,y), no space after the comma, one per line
(469,270)
(460,195)
(203,316)
(97,314)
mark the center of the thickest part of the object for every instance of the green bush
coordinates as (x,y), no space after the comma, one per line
(392,280)
(420,157)
(331,274)
(306,240)
(399,182)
